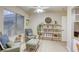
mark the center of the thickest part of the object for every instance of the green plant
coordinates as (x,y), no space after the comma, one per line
(39,29)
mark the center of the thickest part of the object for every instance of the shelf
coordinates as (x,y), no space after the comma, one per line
(47,33)
(76,21)
(47,37)
(52,24)
(57,25)
(50,30)
(47,29)
(56,38)
(57,29)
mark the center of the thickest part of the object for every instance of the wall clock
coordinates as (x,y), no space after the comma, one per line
(48,20)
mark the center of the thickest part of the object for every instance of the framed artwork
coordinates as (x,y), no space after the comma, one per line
(27,22)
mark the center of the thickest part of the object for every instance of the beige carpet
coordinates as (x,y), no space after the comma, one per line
(52,46)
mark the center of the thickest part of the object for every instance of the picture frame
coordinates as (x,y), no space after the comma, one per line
(27,22)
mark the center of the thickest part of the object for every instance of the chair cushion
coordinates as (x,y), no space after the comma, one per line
(33,42)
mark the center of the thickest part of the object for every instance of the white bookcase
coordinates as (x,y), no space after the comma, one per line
(51,32)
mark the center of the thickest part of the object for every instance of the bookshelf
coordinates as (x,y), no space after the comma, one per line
(47,31)
(51,31)
(57,32)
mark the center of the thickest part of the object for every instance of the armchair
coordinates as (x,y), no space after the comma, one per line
(32,43)
(5,46)
(29,34)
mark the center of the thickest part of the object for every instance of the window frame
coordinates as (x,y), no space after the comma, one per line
(14,20)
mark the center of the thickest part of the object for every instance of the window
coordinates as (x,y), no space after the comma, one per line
(20,24)
(13,23)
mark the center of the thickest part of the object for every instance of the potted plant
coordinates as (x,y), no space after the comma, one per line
(39,27)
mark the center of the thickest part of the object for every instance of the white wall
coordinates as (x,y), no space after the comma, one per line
(36,19)
(1,19)
(64,28)
(70,28)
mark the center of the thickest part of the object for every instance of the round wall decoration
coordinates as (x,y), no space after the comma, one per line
(48,20)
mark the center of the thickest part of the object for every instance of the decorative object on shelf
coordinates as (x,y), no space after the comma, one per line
(55,35)
(48,20)
(18,38)
(55,22)
(77,47)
